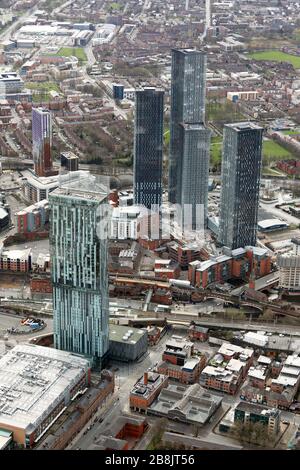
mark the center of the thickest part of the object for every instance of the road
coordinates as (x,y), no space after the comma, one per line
(126,377)
(90,55)
(279,214)
(9,321)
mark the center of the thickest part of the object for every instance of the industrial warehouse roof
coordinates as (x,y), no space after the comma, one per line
(191,404)
(271,223)
(124,334)
(33,381)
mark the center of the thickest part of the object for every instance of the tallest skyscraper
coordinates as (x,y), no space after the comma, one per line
(189,139)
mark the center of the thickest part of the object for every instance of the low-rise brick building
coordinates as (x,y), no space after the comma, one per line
(197,332)
(227,369)
(146,389)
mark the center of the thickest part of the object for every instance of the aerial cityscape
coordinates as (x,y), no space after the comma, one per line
(150,226)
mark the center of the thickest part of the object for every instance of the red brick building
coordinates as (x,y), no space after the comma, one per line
(146,389)
(15,260)
(40,284)
(239,263)
(197,332)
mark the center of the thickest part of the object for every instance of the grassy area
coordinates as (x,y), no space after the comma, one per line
(73,51)
(291,132)
(167,137)
(50,5)
(272,151)
(273,172)
(44,86)
(223,112)
(216,151)
(277,56)
(115,6)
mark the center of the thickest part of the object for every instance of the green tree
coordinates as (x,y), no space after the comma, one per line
(253,433)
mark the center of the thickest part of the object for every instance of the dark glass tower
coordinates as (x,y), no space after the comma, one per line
(189,139)
(241,167)
(148,147)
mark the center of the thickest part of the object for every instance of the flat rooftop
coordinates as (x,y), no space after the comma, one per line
(125,334)
(243,126)
(194,403)
(143,390)
(82,185)
(33,380)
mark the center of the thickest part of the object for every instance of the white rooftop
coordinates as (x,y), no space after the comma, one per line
(269,223)
(22,255)
(33,380)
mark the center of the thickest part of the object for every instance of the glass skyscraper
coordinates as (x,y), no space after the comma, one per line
(78,244)
(148,147)
(194,147)
(241,168)
(189,139)
(42,142)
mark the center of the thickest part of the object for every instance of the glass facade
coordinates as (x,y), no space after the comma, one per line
(41,141)
(195,144)
(189,139)
(79,270)
(241,168)
(148,147)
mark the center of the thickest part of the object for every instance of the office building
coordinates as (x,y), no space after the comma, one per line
(241,168)
(69,161)
(127,344)
(78,244)
(10,84)
(42,142)
(247,413)
(148,147)
(189,139)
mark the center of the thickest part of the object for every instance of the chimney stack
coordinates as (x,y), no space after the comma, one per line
(145,378)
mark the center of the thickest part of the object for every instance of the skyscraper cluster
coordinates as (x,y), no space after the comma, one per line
(79,251)
(190,154)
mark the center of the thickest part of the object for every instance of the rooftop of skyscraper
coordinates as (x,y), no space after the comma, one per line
(189,51)
(242,126)
(82,184)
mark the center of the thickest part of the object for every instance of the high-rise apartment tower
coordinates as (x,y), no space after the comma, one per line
(42,142)
(148,147)
(78,244)
(241,168)
(189,138)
